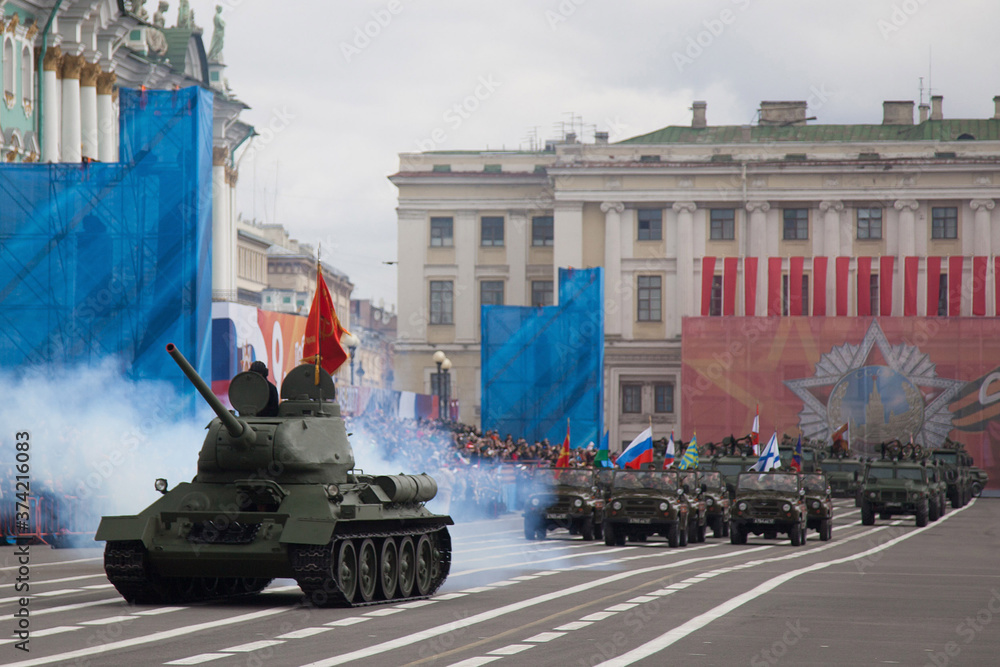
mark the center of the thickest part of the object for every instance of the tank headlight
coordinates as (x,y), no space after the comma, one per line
(332,490)
(535,502)
(578,503)
(786,508)
(664,507)
(617,505)
(742,506)
(160,485)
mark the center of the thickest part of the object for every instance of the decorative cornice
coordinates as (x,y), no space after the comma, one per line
(89,73)
(220,156)
(906,205)
(52,60)
(980,204)
(30,33)
(761,206)
(616,206)
(831,204)
(685,206)
(71,67)
(12,23)
(106,83)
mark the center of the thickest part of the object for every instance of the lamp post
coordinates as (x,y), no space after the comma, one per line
(352,342)
(441,382)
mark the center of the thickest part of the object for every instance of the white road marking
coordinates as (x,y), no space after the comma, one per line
(350,620)
(575,625)
(475,662)
(252,646)
(303,633)
(448,596)
(157,611)
(414,604)
(698,622)
(61,591)
(625,606)
(55,631)
(598,616)
(383,612)
(545,637)
(80,605)
(109,620)
(198,659)
(510,650)
(529,563)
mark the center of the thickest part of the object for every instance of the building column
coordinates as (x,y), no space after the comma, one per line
(107,120)
(612,267)
(831,211)
(757,247)
(230,203)
(907,226)
(568,250)
(88,109)
(685,257)
(981,233)
(517,258)
(465,296)
(71,125)
(51,111)
(223,289)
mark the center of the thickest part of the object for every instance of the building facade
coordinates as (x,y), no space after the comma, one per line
(890,218)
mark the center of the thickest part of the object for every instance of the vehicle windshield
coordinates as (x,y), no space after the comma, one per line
(690,478)
(951,458)
(840,467)
(659,481)
(880,473)
(712,479)
(729,468)
(767,482)
(910,473)
(814,483)
(549,478)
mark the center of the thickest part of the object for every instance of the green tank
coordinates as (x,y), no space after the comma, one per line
(279,496)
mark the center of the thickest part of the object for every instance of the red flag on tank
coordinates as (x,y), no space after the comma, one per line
(323,330)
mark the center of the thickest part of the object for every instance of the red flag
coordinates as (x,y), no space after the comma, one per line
(563,460)
(755,433)
(323,330)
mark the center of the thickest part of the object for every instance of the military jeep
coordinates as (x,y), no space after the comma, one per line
(644,503)
(819,506)
(766,504)
(892,487)
(717,503)
(844,476)
(698,516)
(564,498)
(957,469)
(731,467)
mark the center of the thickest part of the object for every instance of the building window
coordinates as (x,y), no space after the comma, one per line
(942,310)
(541,292)
(26,78)
(631,398)
(869,224)
(784,295)
(715,300)
(663,397)
(441,232)
(441,302)
(491,230)
(650,293)
(796,224)
(650,224)
(491,293)
(542,230)
(286,299)
(8,67)
(723,224)
(944,222)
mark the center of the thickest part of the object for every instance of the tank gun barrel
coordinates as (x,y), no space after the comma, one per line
(237,428)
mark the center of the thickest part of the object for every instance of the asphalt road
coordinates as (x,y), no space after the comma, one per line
(887,594)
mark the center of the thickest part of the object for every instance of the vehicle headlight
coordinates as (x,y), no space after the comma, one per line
(709,501)
(160,485)
(535,502)
(616,505)
(578,503)
(664,507)
(871,494)
(815,504)
(786,508)
(742,506)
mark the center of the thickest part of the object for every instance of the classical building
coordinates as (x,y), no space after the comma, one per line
(891,218)
(61,64)
(375,327)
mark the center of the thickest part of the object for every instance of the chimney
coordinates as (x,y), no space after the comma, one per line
(925,110)
(897,113)
(782,113)
(571,137)
(936,103)
(600,137)
(698,118)
(996,106)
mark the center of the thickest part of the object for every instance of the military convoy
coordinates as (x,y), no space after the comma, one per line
(564,498)
(279,496)
(645,503)
(767,504)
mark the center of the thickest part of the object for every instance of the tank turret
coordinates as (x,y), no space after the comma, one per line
(278,496)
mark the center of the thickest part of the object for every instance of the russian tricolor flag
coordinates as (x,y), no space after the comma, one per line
(668,456)
(639,451)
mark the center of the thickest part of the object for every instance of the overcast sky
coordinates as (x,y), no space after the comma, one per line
(338,89)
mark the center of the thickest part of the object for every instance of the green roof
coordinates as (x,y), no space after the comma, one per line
(931,130)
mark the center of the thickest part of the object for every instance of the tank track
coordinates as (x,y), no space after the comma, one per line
(313,564)
(127,568)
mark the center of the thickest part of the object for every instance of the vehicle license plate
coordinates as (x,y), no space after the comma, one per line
(639,520)
(556,516)
(764,520)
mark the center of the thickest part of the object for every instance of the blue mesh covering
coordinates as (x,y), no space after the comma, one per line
(100,260)
(541,366)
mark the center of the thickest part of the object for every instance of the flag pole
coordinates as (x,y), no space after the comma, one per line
(319,328)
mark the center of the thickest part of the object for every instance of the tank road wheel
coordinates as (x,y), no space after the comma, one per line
(367,570)
(425,565)
(347,569)
(388,571)
(867,514)
(587,529)
(407,566)
(922,513)
(825,530)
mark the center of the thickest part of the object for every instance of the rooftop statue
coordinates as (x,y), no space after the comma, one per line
(139,11)
(158,18)
(185,16)
(218,35)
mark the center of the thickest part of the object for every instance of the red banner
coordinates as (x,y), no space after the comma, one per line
(910,267)
(773,286)
(885,284)
(933,285)
(819,285)
(843,273)
(955,285)
(887,376)
(707,273)
(795,286)
(731,266)
(750,285)
(979,265)
(864,286)
(996,284)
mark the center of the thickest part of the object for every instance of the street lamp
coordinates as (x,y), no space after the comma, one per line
(352,342)
(442,388)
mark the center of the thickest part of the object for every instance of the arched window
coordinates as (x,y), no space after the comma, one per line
(8,70)
(27,80)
